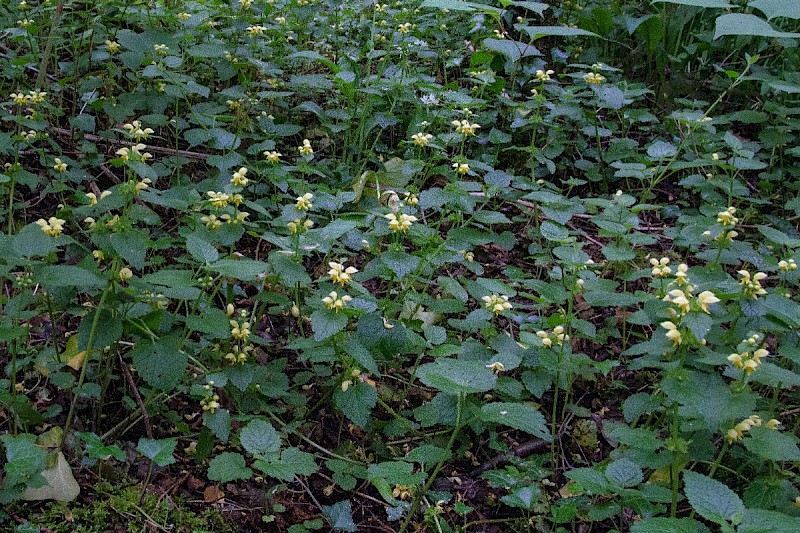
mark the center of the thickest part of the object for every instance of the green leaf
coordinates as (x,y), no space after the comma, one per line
(292,463)
(160,363)
(206,50)
(260,438)
(662,150)
(356,402)
(456,376)
(722,4)
(69,276)
(31,242)
(667,525)
(772,445)
(290,271)
(513,50)
(228,466)
(518,416)
(327,323)
(611,299)
(340,516)
(777,8)
(711,499)
(200,249)
(158,450)
(536,32)
(624,473)
(219,422)
(400,263)
(241,269)
(361,354)
(747,24)
(131,245)
(97,450)
(553,232)
(522,497)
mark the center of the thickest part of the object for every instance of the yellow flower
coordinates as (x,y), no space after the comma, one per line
(98,255)
(142,185)
(421,139)
(333,302)
(672,332)
(19,98)
(726,217)
(340,274)
(112,46)
(211,221)
(304,202)
(773,424)
(59,166)
(736,360)
(210,403)
(405,28)
(680,299)
(305,149)
(593,78)
(136,131)
(399,224)
(299,226)
(92,198)
(496,367)
(461,168)
(240,332)
(787,265)
(272,156)
(660,268)
(239,179)
(542,75)
(704,299)
(752,285)
(52,227)
(218,199)
(184,16)
(497,303)
(732,435)
(161,49)
(465,128)
(125,274)
(255,30)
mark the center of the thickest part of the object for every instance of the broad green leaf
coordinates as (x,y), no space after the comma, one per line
(662,150)
(772,445)
(131,245)
(259,438)
(356,402)
(219,422)
(292,462)
(456,376)
(327,323)
(536,32)
(668,525)
(522,497)
(241,269)
(764,521)
(31,242)
(401,263)
(747,24)
(158,450)
(721,4)
(361,354)
(553,232)
(97,450)
(518,416)
(340,516)
(711,499)
(200,249)
(160,363)
(513,50)
(777,8)
(625,473)
(228,466)
(69,276)
(290,271)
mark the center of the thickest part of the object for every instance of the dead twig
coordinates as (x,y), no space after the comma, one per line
(148,428)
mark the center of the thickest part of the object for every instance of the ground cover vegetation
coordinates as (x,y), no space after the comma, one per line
(307,265)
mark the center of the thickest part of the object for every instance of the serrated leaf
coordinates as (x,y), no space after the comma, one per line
(624,473)
(537,32)
(356,402)
(69,276)
(748,24)
(667,525)
(327,323)
(455,376)
(340,516)
(158,450)
(553,232)
(97,450)
(219,422)
(711,499)
(401,263)
(260,438)
(518,416)
(772,445)
(228,466)
(131,245)
(242,269)
(200,249)
(160,364)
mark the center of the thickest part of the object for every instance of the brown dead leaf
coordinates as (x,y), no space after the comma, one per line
(212,494)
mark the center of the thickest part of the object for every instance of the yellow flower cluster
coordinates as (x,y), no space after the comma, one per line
(272,156)
(594,78)
(255,29)
(239,179)
(405,28)
(752,284)
(340,274)
(52,227)
(240,330)
(125,273)
(134,152)
(421,139)
(747,361)
(33,97)
(660,268)
(465,128)
(210,403)
(59,166)
(673,333)
(787,265)
(239,355)
(496,367)
(334,302)
(727,218)
(135,130)
(401,223)
(745,425)
(300,226)
(497,303)
(306,149)
(461,168)
(304,202)
(544,75)
(557,336)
